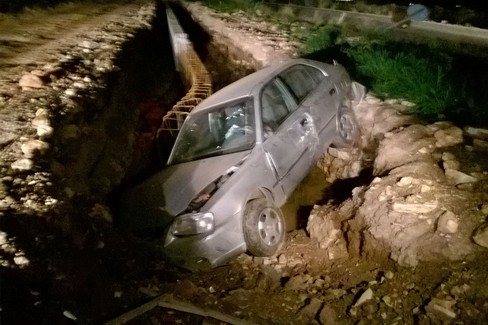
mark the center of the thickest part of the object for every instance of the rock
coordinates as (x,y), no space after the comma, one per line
(387,301)
(298,282)
(477,133)
(366,296)
(480,145)
(22,164)
(29,81)
(101,211)
(480,236)
(44,131)
(449,137)
(451,164)
(484,209)
(309,311)
(321,227)
(341,154)
(415,208)
(441,307)
(41,119)
(389,275)
(33,147)
(446,155)
(328,315)
(402,148)
(447,223)
(456,177)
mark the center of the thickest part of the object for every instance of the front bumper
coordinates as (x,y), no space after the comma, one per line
(200,252)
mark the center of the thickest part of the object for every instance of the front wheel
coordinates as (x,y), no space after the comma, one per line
(264,228)
(347,128)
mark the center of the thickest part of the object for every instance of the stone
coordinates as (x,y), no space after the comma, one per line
(22,164)
(447,223)
(29,81)
(441,307)
(328,315)
(33,147)
(480,236)
(309,311)
(341,154)
(298,282)
(389,275)
(44,131)
(446,155)
(41,119)
(456,177)
(449,137)
(451,164)
(480,145)
(365,296)
(415,208)
(405,181)
(477,133)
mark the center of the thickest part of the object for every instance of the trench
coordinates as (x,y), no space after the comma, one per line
(220,60)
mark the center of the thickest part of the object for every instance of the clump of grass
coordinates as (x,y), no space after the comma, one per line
(320,38)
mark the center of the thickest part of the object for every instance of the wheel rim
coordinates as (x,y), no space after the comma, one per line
(347,127)
(270,226)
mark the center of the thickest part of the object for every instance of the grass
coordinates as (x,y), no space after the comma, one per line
(441,84)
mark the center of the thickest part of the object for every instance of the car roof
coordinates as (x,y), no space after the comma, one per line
(246,86)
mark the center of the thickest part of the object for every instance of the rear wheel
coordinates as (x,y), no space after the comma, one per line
(264,227)
(347,128)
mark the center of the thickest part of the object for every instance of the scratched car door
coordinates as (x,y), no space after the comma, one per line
(313,89)
(290,137)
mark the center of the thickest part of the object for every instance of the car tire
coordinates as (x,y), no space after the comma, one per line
(264,228)
(347,128)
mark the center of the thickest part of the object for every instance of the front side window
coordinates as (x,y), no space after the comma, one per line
(225,129)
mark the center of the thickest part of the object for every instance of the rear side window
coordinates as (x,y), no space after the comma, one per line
(302,80)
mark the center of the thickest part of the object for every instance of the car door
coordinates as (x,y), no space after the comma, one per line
(314,89)
(290,138)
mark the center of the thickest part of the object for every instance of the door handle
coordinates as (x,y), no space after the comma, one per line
(332,91)
(304,122)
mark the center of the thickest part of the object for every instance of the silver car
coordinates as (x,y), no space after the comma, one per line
(238,157)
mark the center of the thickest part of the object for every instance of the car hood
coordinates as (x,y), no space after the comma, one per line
(156,201)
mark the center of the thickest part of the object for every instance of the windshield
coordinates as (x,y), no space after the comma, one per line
(225,129)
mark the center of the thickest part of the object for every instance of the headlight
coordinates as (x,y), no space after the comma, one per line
(193,224)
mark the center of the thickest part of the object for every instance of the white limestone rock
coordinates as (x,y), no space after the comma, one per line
(447,223)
